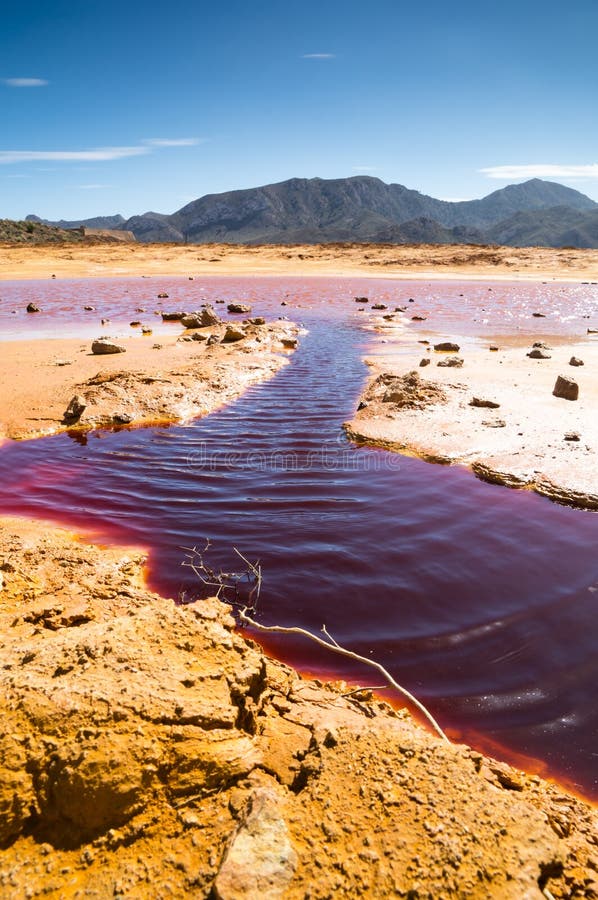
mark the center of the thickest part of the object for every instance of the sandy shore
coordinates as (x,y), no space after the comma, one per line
(149,750)
(373,260)
(170,379)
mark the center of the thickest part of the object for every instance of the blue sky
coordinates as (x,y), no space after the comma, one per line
(128,106)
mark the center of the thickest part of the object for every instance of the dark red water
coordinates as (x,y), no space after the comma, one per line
(480,600)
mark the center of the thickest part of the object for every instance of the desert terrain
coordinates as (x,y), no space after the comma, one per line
(384,260)
(152,749)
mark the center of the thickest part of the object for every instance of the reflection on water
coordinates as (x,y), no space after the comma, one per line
(479,599)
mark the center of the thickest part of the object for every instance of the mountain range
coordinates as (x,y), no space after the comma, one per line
(366,209)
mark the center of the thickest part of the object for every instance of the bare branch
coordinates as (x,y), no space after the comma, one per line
(236,587)
(336,648)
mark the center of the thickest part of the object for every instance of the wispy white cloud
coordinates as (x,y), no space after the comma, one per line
(25,82)
(91,187)
(319,56)
(100,154)
(173,142)
(541,170)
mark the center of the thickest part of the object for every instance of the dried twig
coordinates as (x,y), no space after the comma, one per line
(236,587)
(335,647)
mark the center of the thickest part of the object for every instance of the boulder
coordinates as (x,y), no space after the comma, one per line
(33,307)
(447,345)
(575,361)
(171,316)
(103,346)
(538,354)
(379,306)
(425,361)
(205,318)
(289,343)
(572,436)
(75,409)
(258,320)
(566,388)
(239,308)
(232,334)
(362,299)
(89,308)
(162,296)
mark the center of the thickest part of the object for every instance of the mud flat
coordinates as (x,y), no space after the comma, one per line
(169,379)
(150,750)
(494,410)
(384,260)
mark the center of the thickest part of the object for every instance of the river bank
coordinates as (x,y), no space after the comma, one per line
(489,405)
(176,378)
(151,750)
(371,260)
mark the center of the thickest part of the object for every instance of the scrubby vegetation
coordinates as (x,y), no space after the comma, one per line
(12,232)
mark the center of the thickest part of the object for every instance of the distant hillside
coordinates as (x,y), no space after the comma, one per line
(109,222)
(32,232)
(362,208)
(556,227)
